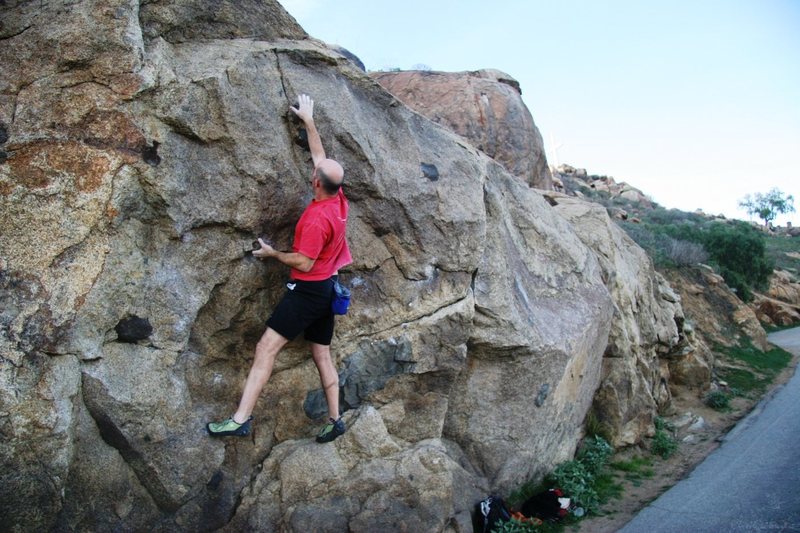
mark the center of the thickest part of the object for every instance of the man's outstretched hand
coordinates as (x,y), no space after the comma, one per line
(305,108)
(265,251)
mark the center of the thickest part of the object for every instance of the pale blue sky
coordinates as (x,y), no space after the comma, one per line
(696,103)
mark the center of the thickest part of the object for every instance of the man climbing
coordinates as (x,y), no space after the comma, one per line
(318,252)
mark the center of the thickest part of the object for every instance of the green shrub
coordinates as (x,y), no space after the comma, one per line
(515,526)
(583,479)
(663,444)
(595,453)
(660,423)
(718,400)
(577,482)
(665,250)
(663,217)
(739,251)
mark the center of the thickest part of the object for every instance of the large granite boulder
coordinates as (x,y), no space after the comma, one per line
(144,146)
(486,107)
(647,328)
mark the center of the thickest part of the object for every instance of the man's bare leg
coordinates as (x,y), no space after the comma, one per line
(328,377)
(266,351)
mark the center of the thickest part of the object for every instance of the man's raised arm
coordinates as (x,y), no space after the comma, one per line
(305,112)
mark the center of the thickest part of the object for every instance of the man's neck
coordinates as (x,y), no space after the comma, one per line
(319,196)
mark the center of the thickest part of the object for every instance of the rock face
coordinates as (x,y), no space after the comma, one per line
(718,316)
(647,329)
(144,147)
(781,304)
(784,286)
(486,107)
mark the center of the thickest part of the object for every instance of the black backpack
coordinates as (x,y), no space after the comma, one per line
(489,513)
(544,505)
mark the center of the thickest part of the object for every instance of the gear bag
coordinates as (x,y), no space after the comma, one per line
(341,298)
(490,513)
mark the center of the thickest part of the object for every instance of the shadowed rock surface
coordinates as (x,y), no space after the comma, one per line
(147,145)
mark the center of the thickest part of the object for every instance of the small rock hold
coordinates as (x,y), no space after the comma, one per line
(429,171)
(542,396)
(150,154)
(133,329)
(215,480)
(301,139)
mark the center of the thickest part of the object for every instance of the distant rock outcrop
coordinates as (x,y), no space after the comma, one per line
(486,107)
(718,316)
(578,178)
(145,146)
(781,304)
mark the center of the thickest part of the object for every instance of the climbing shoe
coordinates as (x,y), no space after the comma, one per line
(331,430)
(228,428)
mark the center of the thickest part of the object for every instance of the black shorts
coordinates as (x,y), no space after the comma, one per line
(306,307)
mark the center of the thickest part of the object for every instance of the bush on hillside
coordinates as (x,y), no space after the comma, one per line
(664,217)
(739,251)
(686,253)
(664,250)
(736,248)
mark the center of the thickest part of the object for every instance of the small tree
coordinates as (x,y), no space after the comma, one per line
(767,206)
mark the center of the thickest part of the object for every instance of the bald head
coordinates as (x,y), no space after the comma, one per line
(331,175)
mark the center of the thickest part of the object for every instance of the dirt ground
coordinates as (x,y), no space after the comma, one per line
(667,472)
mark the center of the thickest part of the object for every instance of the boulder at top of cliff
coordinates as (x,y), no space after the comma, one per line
(486,107)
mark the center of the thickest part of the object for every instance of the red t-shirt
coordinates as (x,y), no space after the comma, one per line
(320,235)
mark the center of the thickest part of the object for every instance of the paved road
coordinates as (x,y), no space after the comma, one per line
(751,482)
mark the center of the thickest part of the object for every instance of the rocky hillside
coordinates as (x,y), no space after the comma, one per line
(144,146)
(777,304)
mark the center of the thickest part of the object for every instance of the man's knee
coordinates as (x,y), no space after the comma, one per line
(270,343)
(320,352)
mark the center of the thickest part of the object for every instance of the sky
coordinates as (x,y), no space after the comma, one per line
(694,102)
